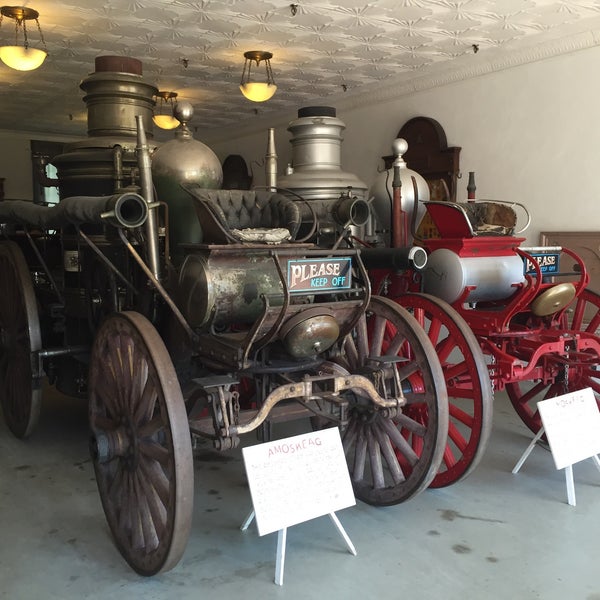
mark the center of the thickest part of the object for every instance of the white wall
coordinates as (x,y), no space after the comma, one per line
(531,134)
(15,166)
(15,162)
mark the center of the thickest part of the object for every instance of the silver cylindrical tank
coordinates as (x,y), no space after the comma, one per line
(317,157)
(383,193)
(448,275)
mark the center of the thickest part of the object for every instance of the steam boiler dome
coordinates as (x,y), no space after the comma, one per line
(383,193)
(316,156)
(115,93)
(184,160)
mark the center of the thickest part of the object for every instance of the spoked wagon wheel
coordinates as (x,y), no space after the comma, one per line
(583,371)
(20,385)
(392,458)
(584,315)
(470,395)
(140,443)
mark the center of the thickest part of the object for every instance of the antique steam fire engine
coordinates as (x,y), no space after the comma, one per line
(197,311)
(201,312)
(500,316)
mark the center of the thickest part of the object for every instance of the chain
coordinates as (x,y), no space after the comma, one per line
(493,373)
(41,35)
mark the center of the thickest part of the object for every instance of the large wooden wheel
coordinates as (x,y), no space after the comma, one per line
(140,443)
(581,372)
(392,458)
(470,395)
(20,337)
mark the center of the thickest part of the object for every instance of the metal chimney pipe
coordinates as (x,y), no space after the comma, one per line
(271,163)
(145,166)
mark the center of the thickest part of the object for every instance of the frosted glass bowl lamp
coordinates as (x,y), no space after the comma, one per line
(163,117)
(257,91)
(22,57)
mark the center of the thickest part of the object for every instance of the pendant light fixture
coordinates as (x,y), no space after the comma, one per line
(254,90)
(22,57)
(163,117)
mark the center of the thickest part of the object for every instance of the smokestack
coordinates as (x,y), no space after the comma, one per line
(271,163)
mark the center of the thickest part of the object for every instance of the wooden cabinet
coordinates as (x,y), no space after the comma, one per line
(586,244)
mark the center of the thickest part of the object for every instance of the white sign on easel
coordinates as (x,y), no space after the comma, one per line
(572,425)
(297,479)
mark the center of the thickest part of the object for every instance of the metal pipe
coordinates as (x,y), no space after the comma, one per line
(397,259)
(271,163)
(63,351)
(161,290)
(413,222)
(47,271)
(398,216)
(471,186)
(541,248)
(118,166)
(145,167)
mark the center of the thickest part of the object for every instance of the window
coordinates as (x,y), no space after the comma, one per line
(42,153)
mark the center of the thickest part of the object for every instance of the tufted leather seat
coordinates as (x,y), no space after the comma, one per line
(222,212)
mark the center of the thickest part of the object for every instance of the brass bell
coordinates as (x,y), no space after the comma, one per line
(553,299)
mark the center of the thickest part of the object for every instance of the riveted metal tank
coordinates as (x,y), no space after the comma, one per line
(105,162)
(184,160)
(383,193)
(449,276)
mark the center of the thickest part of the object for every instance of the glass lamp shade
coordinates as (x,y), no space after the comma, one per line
(165,121)
(258,92)
(21,58)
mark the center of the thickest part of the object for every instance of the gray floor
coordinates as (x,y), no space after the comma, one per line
(495,535)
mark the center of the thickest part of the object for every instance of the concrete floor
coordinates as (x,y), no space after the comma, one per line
(495,535)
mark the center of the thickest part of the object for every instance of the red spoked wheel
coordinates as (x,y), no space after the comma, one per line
(584,315)
(140,444)
(470,395)
(393,457)
(568,374)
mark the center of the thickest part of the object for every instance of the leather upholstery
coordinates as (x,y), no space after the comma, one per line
(244,209)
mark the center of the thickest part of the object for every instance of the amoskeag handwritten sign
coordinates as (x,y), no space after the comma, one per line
(297,479)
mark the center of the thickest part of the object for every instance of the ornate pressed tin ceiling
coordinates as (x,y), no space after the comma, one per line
(332,52)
